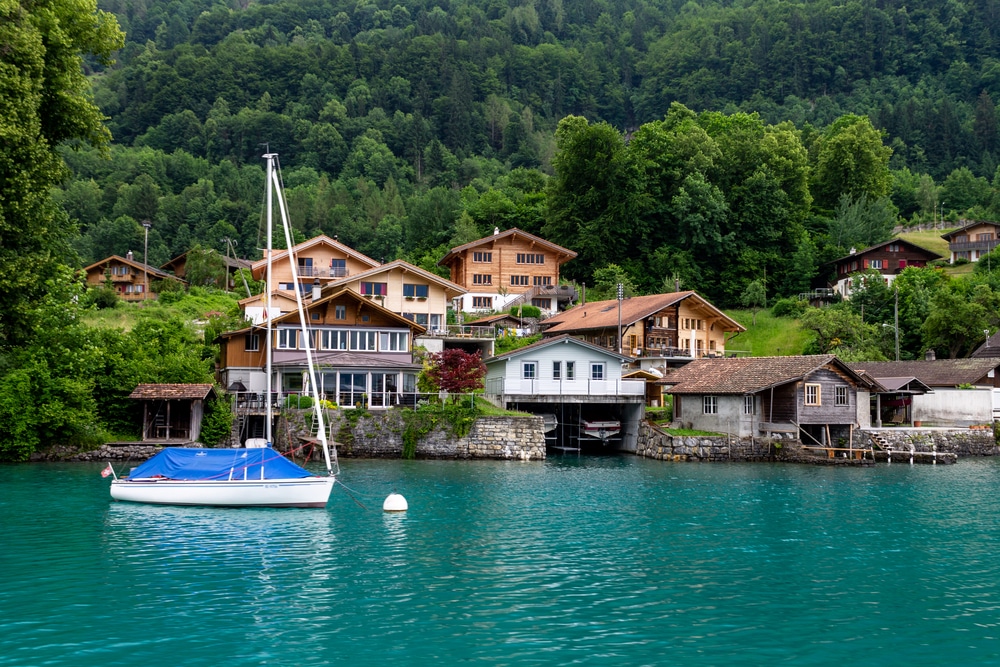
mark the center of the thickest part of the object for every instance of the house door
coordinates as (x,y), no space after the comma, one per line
(385,390)
(353,389)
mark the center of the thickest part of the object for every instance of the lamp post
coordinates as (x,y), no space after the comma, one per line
(145,260)
(621,295)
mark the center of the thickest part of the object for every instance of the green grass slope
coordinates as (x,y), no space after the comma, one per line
(770,337)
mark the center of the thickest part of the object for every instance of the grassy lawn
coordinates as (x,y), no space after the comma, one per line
(929,240)
(192,306)
(770,337)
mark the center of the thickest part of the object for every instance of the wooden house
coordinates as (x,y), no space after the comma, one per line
(172,413)
(817,399)
(418,295)
(319,260)
(508,268)
(363,353)
(178,266)
(889,259)
(654,328)
(129,278)
(972,241)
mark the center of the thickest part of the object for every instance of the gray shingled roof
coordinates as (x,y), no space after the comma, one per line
(147,392)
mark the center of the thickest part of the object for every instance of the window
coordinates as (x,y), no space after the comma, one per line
(435,322)
(314,316)
(419,318)
(528,369)
(556,370)
(287,339)
(710,405)
(748,404)
(854,265)
(482,302)
(333,340)
(482,279)
(841,396)
(419,291)
(519,280)
(984,237)
(378,289)
(544,304)
(340,312)
(530,258)
(876,264)
(597,371)
(570,369)
(393,341)
(251,343)
(305,266)
(812,394)
(363,341)
(482,257)
(893,247)
(338,268)
(541,281)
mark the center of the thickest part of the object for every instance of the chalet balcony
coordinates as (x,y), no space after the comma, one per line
(982,246)
(319,272)
(580,387)
(461,331)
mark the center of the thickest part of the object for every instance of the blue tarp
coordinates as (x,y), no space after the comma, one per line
(188,463)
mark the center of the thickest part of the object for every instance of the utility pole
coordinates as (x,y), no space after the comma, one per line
(145,260)
(896,321)
(621,295)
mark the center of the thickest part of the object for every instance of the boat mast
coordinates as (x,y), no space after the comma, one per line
(313,385)
(270,157)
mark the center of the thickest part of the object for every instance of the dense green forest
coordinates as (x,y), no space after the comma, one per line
(406,128)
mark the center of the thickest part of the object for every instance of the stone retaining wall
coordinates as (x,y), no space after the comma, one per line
(960,441)
(380,435)
(135,452)
(655,444)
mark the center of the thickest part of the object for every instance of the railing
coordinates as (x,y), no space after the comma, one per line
(319,272)
(250,401)
(583,387)
(461,331)
(974,245)
(818,293)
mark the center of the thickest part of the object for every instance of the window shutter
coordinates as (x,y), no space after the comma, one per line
(902,263)
(865,265)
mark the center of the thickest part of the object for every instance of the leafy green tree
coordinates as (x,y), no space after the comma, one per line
(862,222)
(754,297)
(851,161)
(840,331)
(606,281)
(44,102)
(956,321)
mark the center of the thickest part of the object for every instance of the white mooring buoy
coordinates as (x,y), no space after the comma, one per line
(394,503)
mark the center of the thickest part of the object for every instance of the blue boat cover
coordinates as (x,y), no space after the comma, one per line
(187,463)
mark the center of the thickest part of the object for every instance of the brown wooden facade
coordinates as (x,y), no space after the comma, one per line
(321,259)
(889,259)
(972,241)
(130,279)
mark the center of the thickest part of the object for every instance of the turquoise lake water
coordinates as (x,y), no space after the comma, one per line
(591,561)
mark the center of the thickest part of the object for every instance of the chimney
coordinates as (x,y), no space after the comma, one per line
(496,231)
(929,356)
(677,284)
(317,290)
(128,256)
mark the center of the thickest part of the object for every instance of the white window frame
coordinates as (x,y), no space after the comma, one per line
(333,339)
(749,404)
(557,370)
(364,341)
(598,371)
(816,390)
(710,405)
(529,370)
(251,343)
(283,342)
(393,341)
(570,370)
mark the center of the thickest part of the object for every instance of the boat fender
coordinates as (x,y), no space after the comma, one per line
(394,503)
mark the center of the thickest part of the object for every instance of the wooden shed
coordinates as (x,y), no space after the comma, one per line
(172,412)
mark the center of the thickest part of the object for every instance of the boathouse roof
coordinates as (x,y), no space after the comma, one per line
(933,372)
(749,375)
(150,392)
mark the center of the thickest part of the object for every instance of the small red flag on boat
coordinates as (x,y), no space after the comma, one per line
(107,471)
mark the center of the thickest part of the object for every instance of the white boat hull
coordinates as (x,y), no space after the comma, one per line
(301,492)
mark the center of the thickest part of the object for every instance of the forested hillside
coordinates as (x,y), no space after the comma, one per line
(409,127)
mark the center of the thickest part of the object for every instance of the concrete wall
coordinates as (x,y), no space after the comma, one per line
(954,407)
(729,419)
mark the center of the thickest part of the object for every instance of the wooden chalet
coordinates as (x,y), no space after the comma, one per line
(889,259)
(817,399)
(129,278)
(363,353)
(508,268)
(321,259)
(658,329)
(972,241)
(172,413)
(178,266)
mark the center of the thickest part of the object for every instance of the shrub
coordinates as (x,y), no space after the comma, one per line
(789,308)
(526,310)
(101,298)
(298,402)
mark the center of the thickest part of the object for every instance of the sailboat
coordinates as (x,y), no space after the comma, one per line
(254,476)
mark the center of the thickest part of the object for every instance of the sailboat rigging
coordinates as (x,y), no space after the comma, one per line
(255,476)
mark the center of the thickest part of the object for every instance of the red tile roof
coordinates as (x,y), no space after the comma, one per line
(604,314)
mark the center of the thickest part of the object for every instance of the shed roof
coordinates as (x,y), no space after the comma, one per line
(933,373)
(150,392)
(749,375)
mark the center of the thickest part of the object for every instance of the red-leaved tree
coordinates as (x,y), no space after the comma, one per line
(456,371)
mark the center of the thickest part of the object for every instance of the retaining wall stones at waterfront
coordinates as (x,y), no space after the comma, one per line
(380,435)
(136,452)
(959,441)
(655,444)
